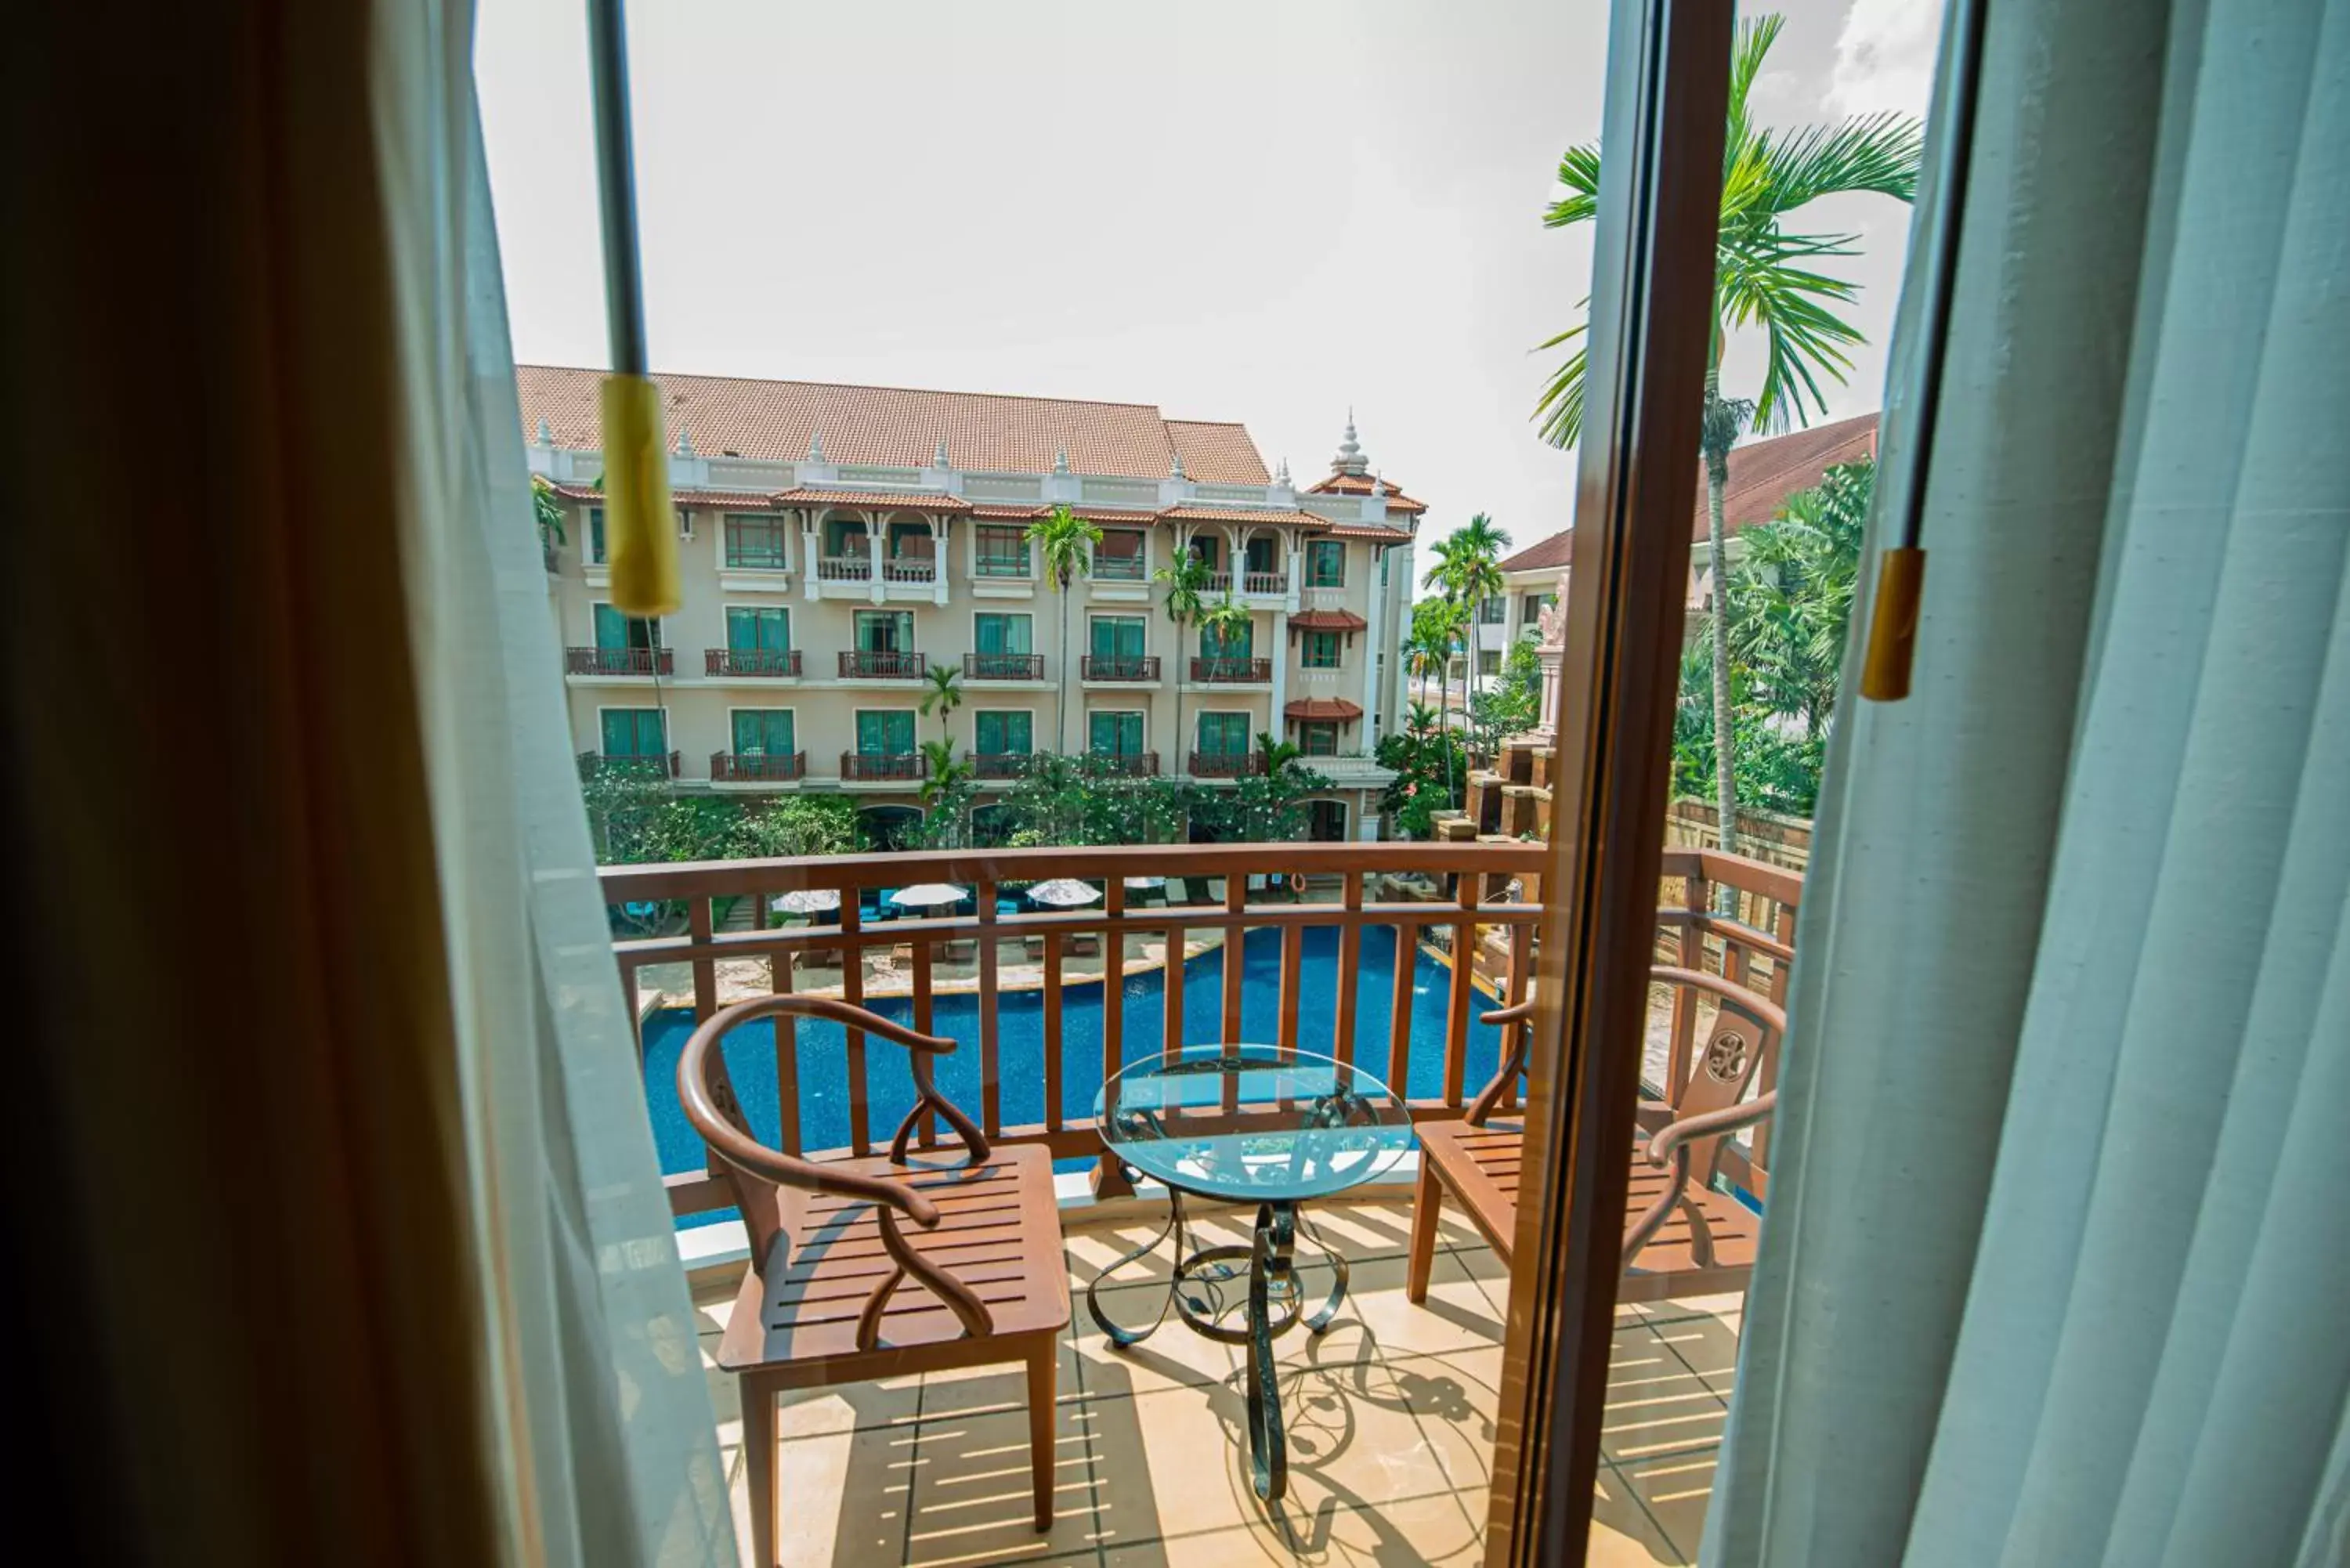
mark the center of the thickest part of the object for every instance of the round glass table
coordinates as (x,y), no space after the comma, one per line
(1247,1124)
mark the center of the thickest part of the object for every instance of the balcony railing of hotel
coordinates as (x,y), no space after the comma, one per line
(1002,566)
(1126,764)
(1119,569)
(1456,896)
(619,661)
(910,569)
(1264,583)
(670,766)
(1216,583)
(877,666)
(776,661)
(1004,666)
(1141,667)
(1001,764)
(1231,671)
(856,568)
(1226,764)
(757,767)
(874,767)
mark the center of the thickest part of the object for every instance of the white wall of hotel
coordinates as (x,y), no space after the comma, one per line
(700,696)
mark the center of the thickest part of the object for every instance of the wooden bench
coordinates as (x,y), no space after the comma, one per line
(909,1262)
(1682,1235)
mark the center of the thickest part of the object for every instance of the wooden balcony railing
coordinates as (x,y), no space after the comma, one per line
(1226,764)
(1460,895)
(670,766)
(757,767)
(1002,765)
(1004,666)
(619,661)
(877,767)
(751,661)
(1137,667)
(1264,583)
(856,568)
(855,665)
(1125,764)
(1231,671)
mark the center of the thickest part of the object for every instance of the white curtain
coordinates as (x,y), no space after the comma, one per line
(2056,1266)
(599,1405)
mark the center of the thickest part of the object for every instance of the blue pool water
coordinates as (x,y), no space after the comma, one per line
(1020,1034)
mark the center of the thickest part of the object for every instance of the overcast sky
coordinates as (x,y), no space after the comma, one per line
(1252,210)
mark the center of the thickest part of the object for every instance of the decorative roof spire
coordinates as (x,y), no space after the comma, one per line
(1350,458)
(685,443)
(939,459)
(1061,460)
(1176,470)
(815,447)
(545,436)
(1281,476)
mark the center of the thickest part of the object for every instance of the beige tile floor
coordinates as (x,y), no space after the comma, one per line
(1389,1414)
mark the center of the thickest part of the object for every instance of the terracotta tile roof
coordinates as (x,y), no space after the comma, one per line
(1372,531)
(1240,514)
(1360,484)
(1328,620)
(918,500)
(898,426)
(1217,453)
(1761,476)
(998,512)
(1321,708)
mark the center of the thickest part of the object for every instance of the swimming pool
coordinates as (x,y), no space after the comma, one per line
(1020,1037)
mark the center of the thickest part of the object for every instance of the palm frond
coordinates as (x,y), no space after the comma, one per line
(1880,153)
(1559,413)
(1578,171)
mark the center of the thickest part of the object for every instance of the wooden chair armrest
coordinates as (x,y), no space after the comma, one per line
(1730,1118)
(1513,1060)
(1518,1012)
(716,1123)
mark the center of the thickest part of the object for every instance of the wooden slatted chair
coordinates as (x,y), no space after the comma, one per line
(916,1261)
(1682,1236)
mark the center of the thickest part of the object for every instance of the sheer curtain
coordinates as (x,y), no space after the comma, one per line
(597,1390)
(2057,1259)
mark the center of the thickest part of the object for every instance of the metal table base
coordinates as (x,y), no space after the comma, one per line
(1272,1304)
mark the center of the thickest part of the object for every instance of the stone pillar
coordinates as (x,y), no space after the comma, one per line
(873,543)
(1372,716)
(1280,724)
(811,546)
(938,560)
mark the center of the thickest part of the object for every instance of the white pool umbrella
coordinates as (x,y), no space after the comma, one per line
(1064,893)
(810,901)
(926,895)
(1146,883)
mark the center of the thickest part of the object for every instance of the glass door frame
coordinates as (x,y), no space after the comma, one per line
(1651,321)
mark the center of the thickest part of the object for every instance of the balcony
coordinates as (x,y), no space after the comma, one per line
(1217,583)
(751,663)
(670,766)
(1004,666)
(1392,1414)
(757,767)
(1124,764)
(647,662)
(1226,764)
(877,666)
(856,568)
(869,767)
(1002,765)
(1139,669)
(1232,671)
(910,569)
(1264,585)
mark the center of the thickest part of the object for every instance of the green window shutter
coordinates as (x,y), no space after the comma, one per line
(1114,734)
(1002,734)
(885,735)
(750,734)
(1223,734)
(619,732)
(596,534)
(764,730)
(776,630)
(741,631)
(611,628)
(1104,637)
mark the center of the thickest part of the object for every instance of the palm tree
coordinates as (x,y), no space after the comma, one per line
(1222,624)
(944,692)
(1185,578)
(1435,625)
(1064,544)
(1472,573)
(1763,278)
(1425,652)
(945,788)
